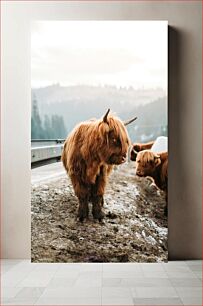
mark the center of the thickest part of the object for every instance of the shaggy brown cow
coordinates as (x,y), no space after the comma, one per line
(151,164)
(89,153)
(155,165)
(137,147)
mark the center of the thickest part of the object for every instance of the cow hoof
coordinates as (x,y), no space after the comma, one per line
(83,213)
(99,215)
(82,216)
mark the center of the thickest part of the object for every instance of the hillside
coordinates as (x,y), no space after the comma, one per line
(79,103)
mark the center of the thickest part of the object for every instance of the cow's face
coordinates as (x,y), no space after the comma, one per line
(115,140)
(146,163)
(117,147)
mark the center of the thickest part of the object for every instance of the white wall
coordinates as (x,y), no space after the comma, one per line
(184,112)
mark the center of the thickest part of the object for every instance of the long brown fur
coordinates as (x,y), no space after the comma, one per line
(155,165)
(89,153)
(137,147)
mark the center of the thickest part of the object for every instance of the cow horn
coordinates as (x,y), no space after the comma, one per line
(129,121)
(106,115)
(135,152)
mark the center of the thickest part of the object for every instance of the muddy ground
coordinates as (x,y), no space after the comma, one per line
(134,228)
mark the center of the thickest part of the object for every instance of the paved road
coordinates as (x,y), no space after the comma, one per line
(47,173)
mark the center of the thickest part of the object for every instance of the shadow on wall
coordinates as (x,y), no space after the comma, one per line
(180,219)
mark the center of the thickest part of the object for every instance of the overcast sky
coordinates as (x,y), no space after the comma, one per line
(120,53)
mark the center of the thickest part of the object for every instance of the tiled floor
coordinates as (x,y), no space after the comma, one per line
(173,283)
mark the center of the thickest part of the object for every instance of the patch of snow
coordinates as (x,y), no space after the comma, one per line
(143,234)
(162,231)
(135,191)
(138,235)
(160,144)
(151,240)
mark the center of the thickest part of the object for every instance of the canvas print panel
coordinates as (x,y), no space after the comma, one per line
(99,141)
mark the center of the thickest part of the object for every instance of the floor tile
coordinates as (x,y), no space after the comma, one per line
(152,267)
(61,282)
(155,274)
(11,279)
(178,274)
(91,267)
(68,273)
(44,267)
(22,301)
(173,283)
(71,275)
(113,282)
(147,282)
(175,263)
(17,273)
(185,282)
(4,301)
(122,267)
(193,262)
(116,292)
(91,282)
(35,281)
(154,292)
(192,301)
(122,274)
(11,261)
(196,268)
(6,268)
(69,301)
(28,292)
(198,274)
(157,301)
(9,292)
(117,301)
(177,268)
(189,291)
(73,292)
(90,275)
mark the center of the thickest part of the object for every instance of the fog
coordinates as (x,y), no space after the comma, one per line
(117,53)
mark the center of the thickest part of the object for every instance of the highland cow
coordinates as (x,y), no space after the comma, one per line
(137,147)
(154,165)
(89,153)
(159,145)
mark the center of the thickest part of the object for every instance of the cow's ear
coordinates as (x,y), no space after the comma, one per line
(103,129)
(157,160)
(137,147)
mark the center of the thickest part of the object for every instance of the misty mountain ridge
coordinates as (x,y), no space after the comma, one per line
(79,103)
(56,93)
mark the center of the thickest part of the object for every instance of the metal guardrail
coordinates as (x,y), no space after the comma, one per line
(45,151)
(48,142)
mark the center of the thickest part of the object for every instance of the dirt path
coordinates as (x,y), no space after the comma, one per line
(134,228)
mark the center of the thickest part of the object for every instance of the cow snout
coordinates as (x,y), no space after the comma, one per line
(139,172)
(124,156)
